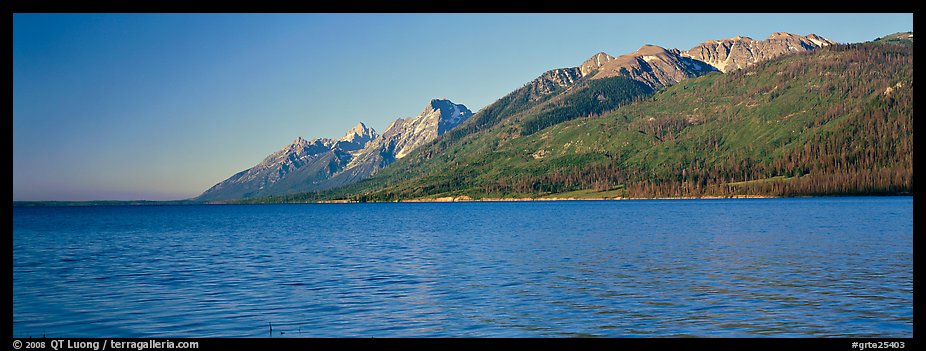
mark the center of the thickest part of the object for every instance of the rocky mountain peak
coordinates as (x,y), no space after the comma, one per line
(438,103)
(297,149)
(439,116)
(594,63)
(456,113)
(359,134)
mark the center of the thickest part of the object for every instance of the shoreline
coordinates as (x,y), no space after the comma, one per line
(519,199)
(429,200)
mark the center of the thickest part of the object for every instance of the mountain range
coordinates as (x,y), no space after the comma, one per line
(449,150)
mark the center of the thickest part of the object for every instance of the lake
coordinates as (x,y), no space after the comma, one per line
(802,267)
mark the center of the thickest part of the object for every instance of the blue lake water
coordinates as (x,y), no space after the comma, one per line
(808,267)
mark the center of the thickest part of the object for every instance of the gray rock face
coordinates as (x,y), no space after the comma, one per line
(325,163)
(404,135)
(594,62)
(356,138)
(654,66)
(552,80)
(740,52)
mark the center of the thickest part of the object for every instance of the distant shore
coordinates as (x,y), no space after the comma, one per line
(104,203)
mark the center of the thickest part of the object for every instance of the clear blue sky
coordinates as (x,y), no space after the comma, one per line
(163,106)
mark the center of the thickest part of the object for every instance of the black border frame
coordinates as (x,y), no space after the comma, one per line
(11,7)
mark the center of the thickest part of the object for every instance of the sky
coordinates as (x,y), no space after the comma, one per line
(163,106)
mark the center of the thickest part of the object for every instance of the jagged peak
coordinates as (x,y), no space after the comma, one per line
(300,142)
(444,103)
(359,131)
